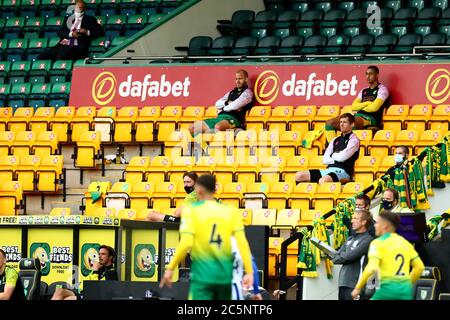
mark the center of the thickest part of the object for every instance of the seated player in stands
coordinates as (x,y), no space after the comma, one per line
(101,270)
(189,178)
(340,156)
(390,202)
(394,259)
(401,155)
(231,108)
(368,106)
(10,284)
(76,34)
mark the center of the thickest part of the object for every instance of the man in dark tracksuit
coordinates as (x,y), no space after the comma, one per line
(353,254)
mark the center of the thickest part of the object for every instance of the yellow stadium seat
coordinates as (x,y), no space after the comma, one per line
(105,212)
(326,195)
(279,194)
(307,216)
(178,143)
(5,114)
(324,113)
(81,122)
(395,116)
(302,117)
(274,253)
(258,187)
(205,165)
(127,214)
(406,138)
(19,122)
(163,194)
(264,217)
(289,143)
(179,166)
(60,212)
(440,118)
(346,109)
(26,171)
(145,123)
(418,117)
(10,197)
(119,195)
(124,124)
(271,168)
(219,189)
(96,186)
(8,165)
(225,168)
(248,169)
(167,123)
(428,138)
(190,115)
(292,259)
(211,112)
(245,143)
(158,168)
(49,173)
(143,214)
(386,163)
(233,193)
(61,122)
(46,144)
(302,195)
(350,189)
(287,218)
(6,140)
(103,122)
(381,143)
(365,138)
(23,143)
(257,118)
(280,118)
(87,149)
(221,142)
(140,195)
(41,118)
(315,163)
(365,169)
(294,164)
(135,170)
(247,216)
(268,141)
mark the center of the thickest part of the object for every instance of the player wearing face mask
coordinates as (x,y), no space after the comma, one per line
(389,202)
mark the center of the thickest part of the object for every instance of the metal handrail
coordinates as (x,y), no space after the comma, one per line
(429,47)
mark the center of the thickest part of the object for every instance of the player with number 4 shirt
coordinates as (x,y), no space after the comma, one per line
(391,257)
(206,230)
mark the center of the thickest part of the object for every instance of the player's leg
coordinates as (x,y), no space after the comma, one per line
(333,174)
(363,121)
(200,291)
(308,176)
(223,292)
(223,125)
(63,294)
(198,127)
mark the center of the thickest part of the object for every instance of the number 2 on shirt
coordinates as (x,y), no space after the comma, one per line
(402,262)
(218,239)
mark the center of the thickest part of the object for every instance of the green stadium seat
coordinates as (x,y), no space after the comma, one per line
(275,5)
(445,29)
(258,32)
(13,27)
(313,45)
(352,31)
(442,4)
(418,4)
(9,9)
(5,66)
(328,31)
(35,47)
(18,97)
(19,71)
(282,32)
(33,27)
(101,20)
(287,20)
(199,46)
(2,23)
(393,4)
(60,71)
(221,46)
(423,30)
(4,91)
(346,5)
(114,26)
(386,14)
(49,8)
(399,30)
(300,6)
(333,18)
(39,72)
(366,4)
(155,18)
(290,45)
(360,44)
(59,95)
(263,24)
(135,23)
(267,45)
(434,39)
(3,47)
(28,8)
(53,41)
(310,18)
(244,46)
(407,42)
(129,7)
(376,31)
(323,6)
(305,32)
(118,41)
(356,18)
(408,14)
(97,46)
(149,7)
(238,26)
(384,43)
(108,7)
(52,26)
(16,49)
(428,17)
(39,95)
(167,6)
(337,44)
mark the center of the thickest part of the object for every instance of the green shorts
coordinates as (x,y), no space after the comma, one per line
(394,291)
(207,291)
(232,120)
(369,121)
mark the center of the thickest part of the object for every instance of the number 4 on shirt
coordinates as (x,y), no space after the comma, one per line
(218,239)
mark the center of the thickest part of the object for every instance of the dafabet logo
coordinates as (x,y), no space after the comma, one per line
(438,86)
(104,88)
(267,86)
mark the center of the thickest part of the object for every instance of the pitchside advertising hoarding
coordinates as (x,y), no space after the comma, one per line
(272,84)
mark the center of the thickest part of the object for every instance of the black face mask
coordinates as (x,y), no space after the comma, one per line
(387,204)
(188,189)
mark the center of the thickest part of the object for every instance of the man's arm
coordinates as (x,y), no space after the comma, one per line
(348,256)
(245,98)
(347,153)
(10,285)
(7,293)
(63,31)
(95,30)
(182,250)
(417,269)
(372,266)
(382,96)
(220,104)
(327,155)
(358,105)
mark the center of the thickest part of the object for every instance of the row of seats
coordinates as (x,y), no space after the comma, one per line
(41,143)
(35,95)
(51,8)
(39,71)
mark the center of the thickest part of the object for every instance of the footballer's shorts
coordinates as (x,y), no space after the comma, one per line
(337,174)
(231,120)
(208,291)
(394,290)
(369,121)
